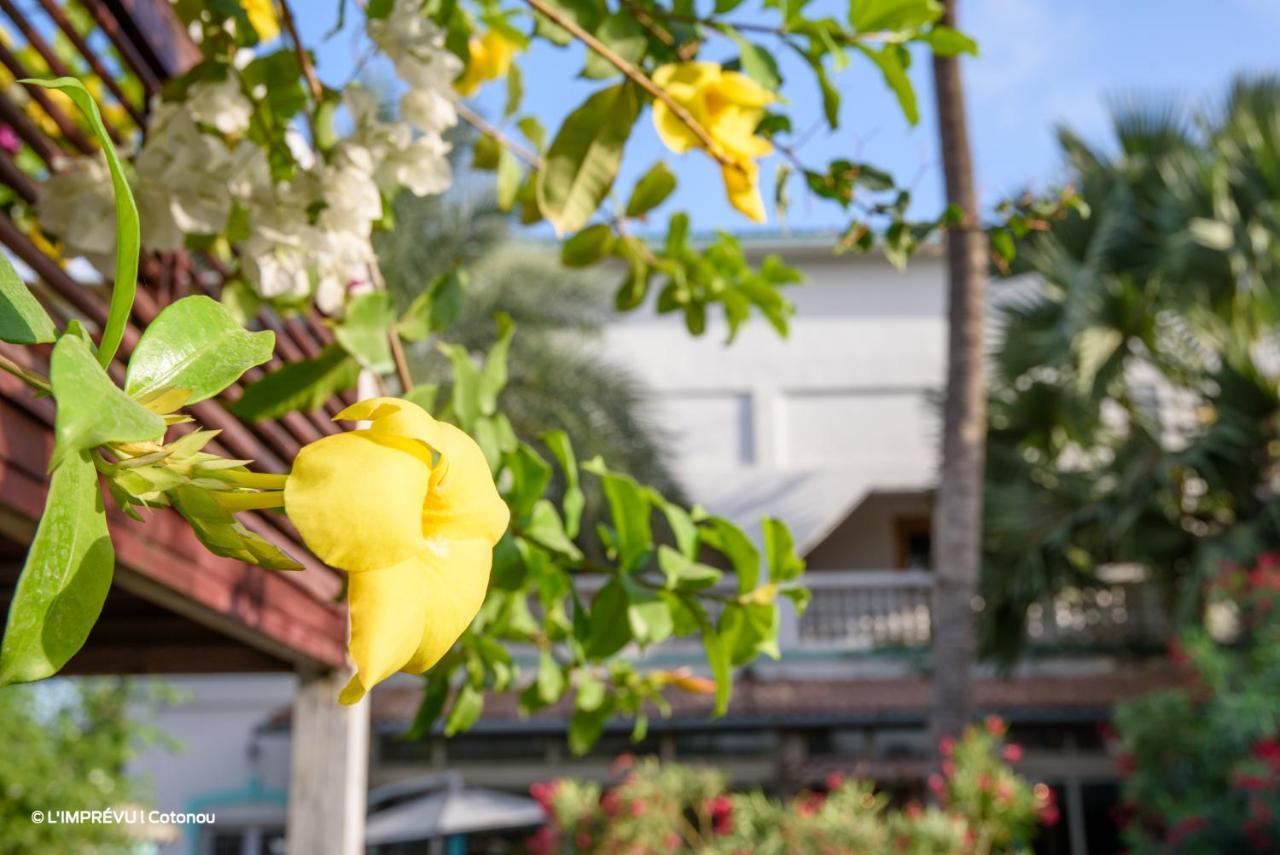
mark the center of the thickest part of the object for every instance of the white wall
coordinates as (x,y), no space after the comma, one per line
(845,401)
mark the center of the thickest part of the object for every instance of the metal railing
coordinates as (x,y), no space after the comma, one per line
(881,609)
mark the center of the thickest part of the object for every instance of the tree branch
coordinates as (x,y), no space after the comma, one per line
(638,77)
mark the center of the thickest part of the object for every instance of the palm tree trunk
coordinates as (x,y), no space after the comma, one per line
(957,520)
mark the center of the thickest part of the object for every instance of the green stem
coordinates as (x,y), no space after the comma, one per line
(250,501)
(35,381)
(254,480)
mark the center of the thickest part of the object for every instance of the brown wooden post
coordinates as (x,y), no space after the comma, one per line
(328,787)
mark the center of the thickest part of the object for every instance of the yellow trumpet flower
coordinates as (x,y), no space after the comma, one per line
(490,58)
(729,106)
(408,508)
(262,17)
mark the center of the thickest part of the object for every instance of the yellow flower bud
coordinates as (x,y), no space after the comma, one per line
(729,106)
(490,58)
(409,509)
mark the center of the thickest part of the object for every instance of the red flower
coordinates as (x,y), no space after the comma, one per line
(609,803)
(543,841)
(583,840)
(1049,815)
(543,792)
(1186,827)
(1177,653)
(1012,752)
(946,746)
(834,780)
(1125,763)
(995,725)
(720,809)
(1251,782)
(949,768)
(623,762)
(937,785)
(637,808)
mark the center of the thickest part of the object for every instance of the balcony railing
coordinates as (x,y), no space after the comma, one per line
(866,610)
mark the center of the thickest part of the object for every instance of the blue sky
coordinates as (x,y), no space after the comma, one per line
(1042,62)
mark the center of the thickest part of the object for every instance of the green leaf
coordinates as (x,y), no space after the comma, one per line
(304,386)
(685,574)
(435,308)
(610,627)
(128,238)
(508,180)
(649,616)
(721,667)
(548,531)
(363,332)
(892,60)
(727,538)
(194,345)
(434,696)
(583,159)
(574,500)
(629,509)
(240,300)
(65,579)
(515,91)
(22,319)
(493,377)
(466,710)
(625,36)
(222,534)
(585,13)
(780,551)
(587,246)
(530,475)
(651,190)
(91,409)
(465,396)
(551,681)
(757,62)
(869,16)
(586,726)
(946,41)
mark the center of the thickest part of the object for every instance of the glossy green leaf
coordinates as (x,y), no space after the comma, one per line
(587,246)
(298,386)
(363,331)
(649,615)
(530,475)
(625,36)
(582,162)
(653,188)
(509,176)
(868,16)
(610,628)
(629,511)
(574,500)
(721,667)
(65,579)
(22,319)
(197,346)
(466,710)
(128,236)
(780,551)
(757,63)
(946,41)
(586,726)
(727,538)
(91,409)
(893,60)
(435,308)
(546,528)
(493,376)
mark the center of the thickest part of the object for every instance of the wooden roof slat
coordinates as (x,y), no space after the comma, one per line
(59,17)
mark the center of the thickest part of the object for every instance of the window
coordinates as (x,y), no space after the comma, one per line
(250,840)
(914,543)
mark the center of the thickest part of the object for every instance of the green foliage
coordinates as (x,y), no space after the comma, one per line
(584,157)
(664,807)
(68,748)
(65,578)
(91,409)
(364,329)
(128,234)
(303,385)
(1132,414)
(196,347)
(1202,762)
(22,319)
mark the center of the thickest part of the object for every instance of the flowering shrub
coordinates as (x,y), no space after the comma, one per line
(1202,763)
(983,807)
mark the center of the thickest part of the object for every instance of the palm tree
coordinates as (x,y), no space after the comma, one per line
(957,522)
(1134,396)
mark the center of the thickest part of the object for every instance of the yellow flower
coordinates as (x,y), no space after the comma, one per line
(729,106)
(262,17)
(491,56)
(408,508)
